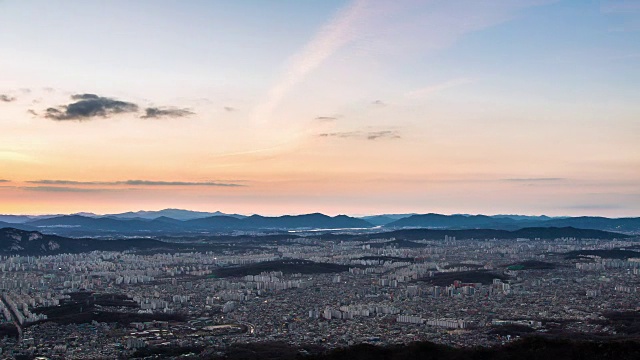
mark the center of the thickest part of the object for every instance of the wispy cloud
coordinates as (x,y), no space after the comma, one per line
(378,103)
(7,98)
(229,109)
(433,89)
(335,34)
(4,181)
(88,106)
(625,13)
(620,6)
(326,118)
(595,207)
(368,135)
(154,113)
(134,183)
(178,183)
(386,134)
(539,179)
(9,155)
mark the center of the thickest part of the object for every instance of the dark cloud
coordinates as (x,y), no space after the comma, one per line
(32,112)
(133,183)
(229,109)
(4,181)
(89,106)
(62,189)
(70,182)
(326,118)
(368,135)
(154,113)
(7,98)
(85,97)
(540,179)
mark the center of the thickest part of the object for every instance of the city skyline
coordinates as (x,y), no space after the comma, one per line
(339,107)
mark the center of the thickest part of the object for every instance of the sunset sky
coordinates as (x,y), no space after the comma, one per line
(353,107)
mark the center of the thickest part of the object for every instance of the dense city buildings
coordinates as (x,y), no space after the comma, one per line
(330,292)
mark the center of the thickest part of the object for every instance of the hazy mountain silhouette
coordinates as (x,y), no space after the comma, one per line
(178,214)
(82,225)
(511,222)
(153,222)
(454,221)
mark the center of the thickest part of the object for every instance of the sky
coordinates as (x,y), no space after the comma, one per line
(341,107)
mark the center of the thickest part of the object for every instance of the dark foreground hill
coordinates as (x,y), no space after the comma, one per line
(21,242)
(24,242)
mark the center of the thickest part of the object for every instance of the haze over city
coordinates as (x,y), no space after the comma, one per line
(290,107)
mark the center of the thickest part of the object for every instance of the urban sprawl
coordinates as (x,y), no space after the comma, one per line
(326,292)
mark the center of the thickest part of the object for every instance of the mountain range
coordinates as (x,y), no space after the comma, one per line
(628,225)
(178,214)
(177,221)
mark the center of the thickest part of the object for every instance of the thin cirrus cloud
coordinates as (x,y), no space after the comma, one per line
(89,106)
(534,179)
(433,89)
(155,113)
(620,6)
(367,135)
(338,32)
(134,183)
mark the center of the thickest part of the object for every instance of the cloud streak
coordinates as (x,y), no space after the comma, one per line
(540,179)
(326,118)
(335,34)
(367,135)
(133,183)
(155,113)
(88,106)
(433,89)
(62,189)
(595,207)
